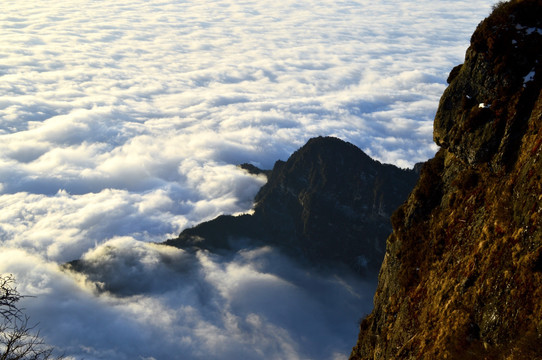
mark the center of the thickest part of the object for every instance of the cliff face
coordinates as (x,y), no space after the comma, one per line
(462,274)
(329,203)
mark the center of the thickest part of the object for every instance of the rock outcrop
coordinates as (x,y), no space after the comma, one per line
(329,203)
(462,274)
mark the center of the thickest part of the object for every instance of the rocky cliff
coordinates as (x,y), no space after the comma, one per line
(462,274)
(329,203)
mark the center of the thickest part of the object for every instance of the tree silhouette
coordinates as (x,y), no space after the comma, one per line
(18,339)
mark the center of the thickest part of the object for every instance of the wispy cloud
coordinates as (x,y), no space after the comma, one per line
(141,299)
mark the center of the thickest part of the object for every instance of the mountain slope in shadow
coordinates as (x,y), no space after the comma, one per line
(329,203)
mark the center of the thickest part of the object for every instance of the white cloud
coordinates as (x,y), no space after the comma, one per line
(125,120)
(167,303)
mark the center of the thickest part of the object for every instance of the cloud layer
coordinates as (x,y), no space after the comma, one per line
(121,123)
(148,301)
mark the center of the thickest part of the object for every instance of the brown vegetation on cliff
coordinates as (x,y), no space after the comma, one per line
(462,275)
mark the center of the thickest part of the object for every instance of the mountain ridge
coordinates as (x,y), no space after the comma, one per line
(328,203)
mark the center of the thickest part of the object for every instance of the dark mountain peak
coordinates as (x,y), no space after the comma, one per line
(325,165)
(329,203)
(329,153)
(331,149)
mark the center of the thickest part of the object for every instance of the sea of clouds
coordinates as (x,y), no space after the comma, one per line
(122,122)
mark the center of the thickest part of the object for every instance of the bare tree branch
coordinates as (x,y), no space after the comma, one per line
(18,339)
(9,296)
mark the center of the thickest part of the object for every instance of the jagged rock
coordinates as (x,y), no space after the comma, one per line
(329,203)
(474,120)
(462,274)
(254,170)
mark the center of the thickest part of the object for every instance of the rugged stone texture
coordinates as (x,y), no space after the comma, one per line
(462,274)
(475,119)
(329,203)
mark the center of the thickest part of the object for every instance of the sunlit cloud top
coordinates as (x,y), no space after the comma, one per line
(140,100)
